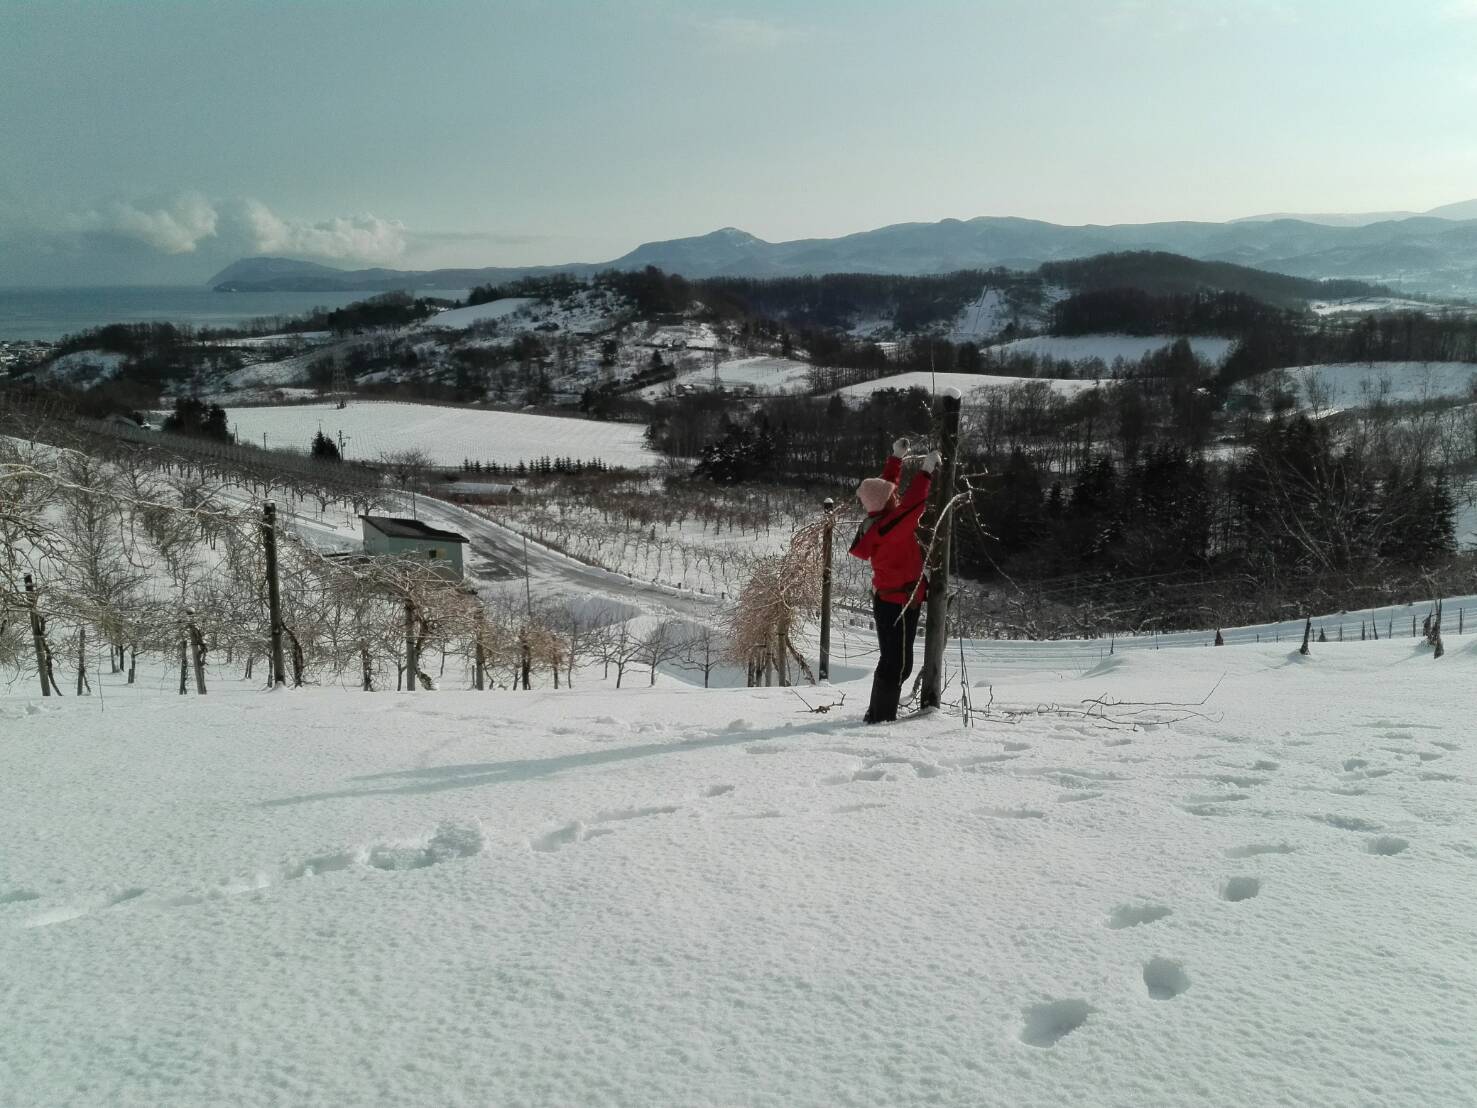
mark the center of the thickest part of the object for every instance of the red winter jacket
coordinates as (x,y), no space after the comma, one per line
(887,539)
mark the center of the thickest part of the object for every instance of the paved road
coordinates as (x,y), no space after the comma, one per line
(501,552)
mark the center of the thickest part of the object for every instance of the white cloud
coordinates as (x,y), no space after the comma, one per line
(171,226)
(182,223)
(364,237)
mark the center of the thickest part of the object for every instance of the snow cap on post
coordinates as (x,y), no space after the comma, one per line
(951,392)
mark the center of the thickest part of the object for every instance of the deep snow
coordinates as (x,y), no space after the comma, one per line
(684,897)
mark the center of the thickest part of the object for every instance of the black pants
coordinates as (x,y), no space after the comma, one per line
(895,638)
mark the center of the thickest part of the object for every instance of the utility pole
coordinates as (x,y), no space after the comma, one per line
(823,671)
(946,415)
(274,594)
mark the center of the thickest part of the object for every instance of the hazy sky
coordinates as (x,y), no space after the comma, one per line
(146,140)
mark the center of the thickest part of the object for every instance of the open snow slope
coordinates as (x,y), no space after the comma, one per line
(448,435)
(460,318)
(673,896)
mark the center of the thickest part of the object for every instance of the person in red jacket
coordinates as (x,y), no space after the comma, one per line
(888,540)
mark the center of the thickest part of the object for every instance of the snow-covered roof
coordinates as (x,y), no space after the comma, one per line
(398,528)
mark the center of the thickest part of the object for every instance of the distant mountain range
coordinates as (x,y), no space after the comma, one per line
(1433,253)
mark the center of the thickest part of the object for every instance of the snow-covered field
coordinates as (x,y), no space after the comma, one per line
(673,896)
(447,435)
(1108,348)
(763,375)
(966,383)
(1357,384)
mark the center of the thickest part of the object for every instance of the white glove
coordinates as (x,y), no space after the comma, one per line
(931,462)
(900,448)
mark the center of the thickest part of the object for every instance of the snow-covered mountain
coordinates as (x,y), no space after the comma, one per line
(1435,252)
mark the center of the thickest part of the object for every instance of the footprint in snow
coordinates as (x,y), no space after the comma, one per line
(1072,797)
(1386,845)
(581,831)
(1240,781)
(977,762)
(1347,823)
(1237,889)
(1049,1023)
(450,840)
(717,790)
(1165,979)
(1256,849)
(1136,915)
(1013,813)
(16,896)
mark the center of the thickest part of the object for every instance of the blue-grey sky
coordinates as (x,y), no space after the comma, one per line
(144,140)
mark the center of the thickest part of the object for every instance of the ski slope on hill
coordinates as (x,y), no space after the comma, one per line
(448,435)
(672,896)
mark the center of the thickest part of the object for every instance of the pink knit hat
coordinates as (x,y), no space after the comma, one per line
(874,493)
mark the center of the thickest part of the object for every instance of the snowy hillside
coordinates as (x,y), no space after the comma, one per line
(84,369)
(458,318)
(448,435)
(586,311)
(673,896)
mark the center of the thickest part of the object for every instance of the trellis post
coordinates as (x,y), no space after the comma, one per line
(931,687)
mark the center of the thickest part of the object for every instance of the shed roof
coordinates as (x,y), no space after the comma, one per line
(398,528)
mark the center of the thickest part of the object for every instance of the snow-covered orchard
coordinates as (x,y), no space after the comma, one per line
(508,846)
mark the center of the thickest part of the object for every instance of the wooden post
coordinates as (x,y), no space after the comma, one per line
(184,667)
(823,670)
(197,651)
(274,595)
(38,633)
(479,680)
(1307,637)
(936,635)
(412,663)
